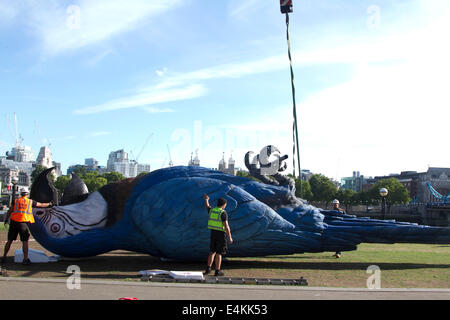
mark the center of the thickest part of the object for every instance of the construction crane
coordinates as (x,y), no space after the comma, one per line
(145,144)
(170,157)
(17,138)
(164,162)
(143,147)
(38,131)
(15,126)
(9,127)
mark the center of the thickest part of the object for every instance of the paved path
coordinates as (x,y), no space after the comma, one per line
(49,289)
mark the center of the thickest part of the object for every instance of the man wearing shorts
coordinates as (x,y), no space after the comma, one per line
(21,214)
(218,223)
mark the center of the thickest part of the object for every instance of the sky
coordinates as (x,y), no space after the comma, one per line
(184,76)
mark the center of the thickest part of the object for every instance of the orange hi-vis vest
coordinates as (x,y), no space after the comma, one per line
(22,211)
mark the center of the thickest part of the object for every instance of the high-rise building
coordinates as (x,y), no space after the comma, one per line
(118,161)
(142,167)
(355,182)
(20,154)
(91,164)
(44,157)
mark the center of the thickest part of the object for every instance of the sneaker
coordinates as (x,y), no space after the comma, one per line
(219,273)
(207,271)
(26,262)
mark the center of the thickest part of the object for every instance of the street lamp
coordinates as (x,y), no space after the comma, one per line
(383,193)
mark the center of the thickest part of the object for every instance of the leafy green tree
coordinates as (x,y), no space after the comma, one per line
(80,171)
(306,189)
(322,188)
(346,197)
(245,174)
(95,183)
(365,198)
(397,193)
(113,176)
(143,173)
(61,183)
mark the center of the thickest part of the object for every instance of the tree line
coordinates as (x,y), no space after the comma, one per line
(92,179)
(321,189)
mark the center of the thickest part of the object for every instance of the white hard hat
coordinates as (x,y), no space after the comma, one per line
(336,201)
(24,190)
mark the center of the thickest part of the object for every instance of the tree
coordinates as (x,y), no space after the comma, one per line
(398,194)
(143,173)
(365,198)
(61,183)
(113,176)
(95,183)
(245,174)
(322,188)
(346,197)
(306,189)
(80,170)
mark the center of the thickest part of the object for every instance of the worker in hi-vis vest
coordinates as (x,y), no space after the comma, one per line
(218,223)
(21,213)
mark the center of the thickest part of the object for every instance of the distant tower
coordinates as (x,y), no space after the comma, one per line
(223,164)
(195,161)
(118,161)
(231,165)
(44,157)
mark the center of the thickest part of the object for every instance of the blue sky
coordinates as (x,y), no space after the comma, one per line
(371,81)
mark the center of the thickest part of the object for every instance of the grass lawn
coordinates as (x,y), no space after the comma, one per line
(401,265)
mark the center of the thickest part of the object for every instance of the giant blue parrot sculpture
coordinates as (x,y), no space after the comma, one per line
(162,214)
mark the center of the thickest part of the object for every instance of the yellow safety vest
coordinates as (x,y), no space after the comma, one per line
(215,219)
(23,210)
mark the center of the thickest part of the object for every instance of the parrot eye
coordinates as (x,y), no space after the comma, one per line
(55,227)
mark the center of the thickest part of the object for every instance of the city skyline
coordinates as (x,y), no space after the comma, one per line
(226,165)
(91,77)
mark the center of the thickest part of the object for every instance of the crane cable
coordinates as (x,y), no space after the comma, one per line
(295,128)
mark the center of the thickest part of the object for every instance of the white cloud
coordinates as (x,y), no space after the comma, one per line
(98,133)
(157,110)
(99,57)
(149,97)
(8,11)
(63,28)
(240,9)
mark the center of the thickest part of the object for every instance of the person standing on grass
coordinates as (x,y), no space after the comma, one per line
(336,207)
(218,223)
(21,214)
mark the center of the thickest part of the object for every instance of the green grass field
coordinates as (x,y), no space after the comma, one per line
(401,265)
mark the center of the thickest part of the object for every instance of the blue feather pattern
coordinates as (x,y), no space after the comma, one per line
(165,216)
